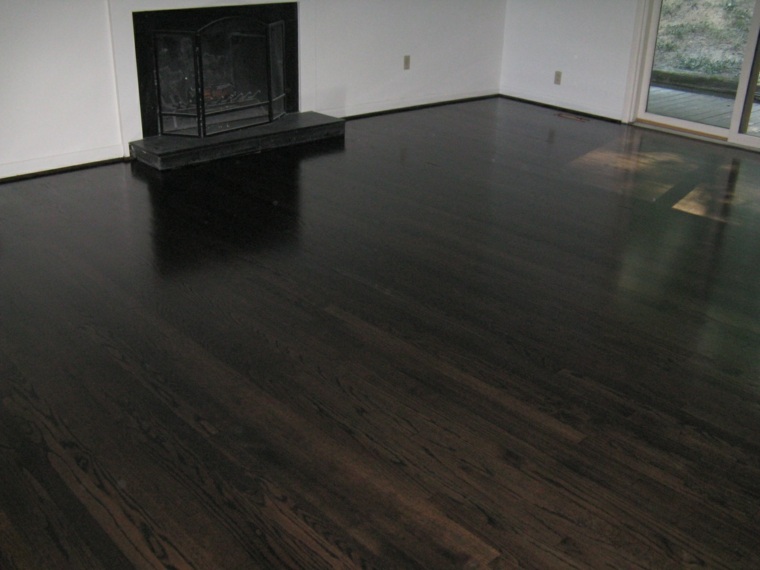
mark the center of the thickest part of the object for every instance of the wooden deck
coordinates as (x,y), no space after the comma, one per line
(700,108)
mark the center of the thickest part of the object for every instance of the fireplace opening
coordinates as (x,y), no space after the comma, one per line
(226,76)
(207,71)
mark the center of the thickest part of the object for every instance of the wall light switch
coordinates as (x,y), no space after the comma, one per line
(557,77)
(407,62)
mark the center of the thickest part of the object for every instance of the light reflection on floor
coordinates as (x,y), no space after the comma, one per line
(735,186)
(704,181)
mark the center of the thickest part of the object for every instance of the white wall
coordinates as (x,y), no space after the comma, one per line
(57,96)
(593,42)
(455,49)
(69,92)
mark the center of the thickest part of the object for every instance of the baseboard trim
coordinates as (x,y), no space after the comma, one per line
(92,164)
(418,107)
(73,168)
(560,109)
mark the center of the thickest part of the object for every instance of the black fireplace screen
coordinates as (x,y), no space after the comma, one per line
(227,75)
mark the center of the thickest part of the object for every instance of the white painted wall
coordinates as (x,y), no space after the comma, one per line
(594,43)
(455,48)
(351,63)
(57,91)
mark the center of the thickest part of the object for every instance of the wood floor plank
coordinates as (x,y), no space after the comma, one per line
(478,335)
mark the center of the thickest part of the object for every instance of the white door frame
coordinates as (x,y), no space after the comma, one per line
(749,58)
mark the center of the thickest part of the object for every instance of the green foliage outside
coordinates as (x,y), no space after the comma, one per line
(702,42)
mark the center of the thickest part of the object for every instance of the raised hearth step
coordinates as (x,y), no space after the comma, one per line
(166,152)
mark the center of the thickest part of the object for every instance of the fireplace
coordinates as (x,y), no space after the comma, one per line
(216,82)
(227,75)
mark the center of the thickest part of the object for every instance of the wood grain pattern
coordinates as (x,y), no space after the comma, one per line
(478,335)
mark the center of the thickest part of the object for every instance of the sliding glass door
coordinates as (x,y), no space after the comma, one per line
(749,119)
(703,67)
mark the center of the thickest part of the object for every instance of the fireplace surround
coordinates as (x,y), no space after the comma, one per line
(222,51)
(220,81)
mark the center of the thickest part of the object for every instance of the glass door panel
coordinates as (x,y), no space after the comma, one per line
(750,121)
(698,58)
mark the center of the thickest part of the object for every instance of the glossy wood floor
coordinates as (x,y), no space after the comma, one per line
(482,335)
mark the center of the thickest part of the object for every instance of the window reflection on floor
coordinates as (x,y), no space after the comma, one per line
(703,180)
(635,165)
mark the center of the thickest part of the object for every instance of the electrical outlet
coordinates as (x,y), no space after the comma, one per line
(407,62)
(557,77)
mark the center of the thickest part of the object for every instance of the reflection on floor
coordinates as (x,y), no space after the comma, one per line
(652,169)
(641,167)
(700,108)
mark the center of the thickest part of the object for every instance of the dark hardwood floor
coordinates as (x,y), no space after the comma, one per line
(481,335)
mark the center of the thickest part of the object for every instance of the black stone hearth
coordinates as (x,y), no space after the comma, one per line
(166,152)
